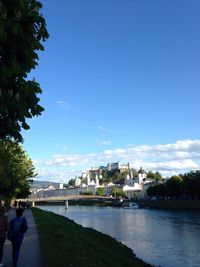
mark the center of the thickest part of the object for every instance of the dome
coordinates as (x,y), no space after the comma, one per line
(141,171)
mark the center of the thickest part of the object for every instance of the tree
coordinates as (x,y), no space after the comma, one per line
(187,185)
(157,190)
(150,191)
(117,192)
(155,176)
(71,182)
(16,171)
(134,172)
(174,186)
(22,32)
(112,176)
(158,177)
(106,177)
(191,184)
(100,191)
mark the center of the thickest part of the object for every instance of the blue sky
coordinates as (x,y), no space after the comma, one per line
(120,82)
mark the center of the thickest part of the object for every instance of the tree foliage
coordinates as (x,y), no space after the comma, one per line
(22,32)
(157,190)
(191,184)
(174,186)
(114,176)
(87,193)
(100,191)
(181,186)
(16,170)
(116,192)
(155,176)
(71,182)
(134,172)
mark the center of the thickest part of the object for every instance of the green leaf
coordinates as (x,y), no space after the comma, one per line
(22,32)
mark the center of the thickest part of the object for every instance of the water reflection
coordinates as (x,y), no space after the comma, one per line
(160,237)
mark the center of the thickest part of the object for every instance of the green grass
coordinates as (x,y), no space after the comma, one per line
(64,243)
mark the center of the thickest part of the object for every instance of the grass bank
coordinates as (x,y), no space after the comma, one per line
(190,205)
(64,243)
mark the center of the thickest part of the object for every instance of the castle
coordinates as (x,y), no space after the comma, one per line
(133,183)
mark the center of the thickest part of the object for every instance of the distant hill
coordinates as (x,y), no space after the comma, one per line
(43,184)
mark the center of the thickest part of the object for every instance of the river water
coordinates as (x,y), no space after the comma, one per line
(160,237)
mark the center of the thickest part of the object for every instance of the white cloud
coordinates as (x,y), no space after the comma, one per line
(108,152)
(106,142)
(119,151)
(172,165)
(169,159)
(56,175)
(63,104)
(35,161)
(63,160)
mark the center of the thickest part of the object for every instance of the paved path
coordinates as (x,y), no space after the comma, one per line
(29,253)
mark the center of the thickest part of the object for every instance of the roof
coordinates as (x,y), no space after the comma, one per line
(141,171)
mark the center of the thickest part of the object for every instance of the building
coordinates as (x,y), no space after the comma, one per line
(113,166)
(142,175)
(124,168)
(134,186)
(103,168)
(132,191)
(77,181)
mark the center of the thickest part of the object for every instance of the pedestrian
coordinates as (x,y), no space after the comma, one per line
(15,204)
(18,227)
(4,226)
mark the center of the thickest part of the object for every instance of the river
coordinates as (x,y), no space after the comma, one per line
(160,237)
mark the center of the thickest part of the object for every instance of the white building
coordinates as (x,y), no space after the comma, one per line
(133,186)
(77,181)
(132,191)
(61,186)
(142,175)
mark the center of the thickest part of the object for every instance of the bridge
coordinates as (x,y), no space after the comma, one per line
(65,199)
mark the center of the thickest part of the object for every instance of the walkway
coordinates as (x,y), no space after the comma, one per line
(30,253)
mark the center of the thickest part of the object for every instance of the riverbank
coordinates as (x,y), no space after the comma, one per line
(65,243)
(100,203)
(90,202)
(190,205)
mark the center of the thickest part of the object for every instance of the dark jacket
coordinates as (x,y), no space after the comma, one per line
(4,225)
(18,226)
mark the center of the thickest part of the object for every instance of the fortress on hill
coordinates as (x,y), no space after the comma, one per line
(133,183)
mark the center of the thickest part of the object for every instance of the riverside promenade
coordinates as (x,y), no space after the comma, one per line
(30,252)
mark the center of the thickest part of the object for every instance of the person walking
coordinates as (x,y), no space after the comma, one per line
(4,226)
(18,227)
